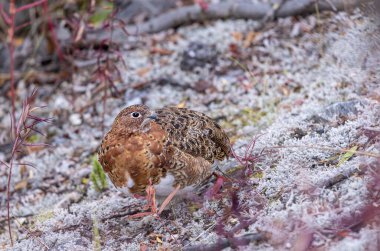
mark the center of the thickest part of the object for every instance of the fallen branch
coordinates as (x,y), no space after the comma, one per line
(224,243)
(224,10)
(326,148)
(271,15)
(332,181)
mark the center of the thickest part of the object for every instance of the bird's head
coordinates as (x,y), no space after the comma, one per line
(135,117)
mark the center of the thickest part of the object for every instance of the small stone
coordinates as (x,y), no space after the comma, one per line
(341,109)
(87,117)
(61,102)
(75,119)
(198,55)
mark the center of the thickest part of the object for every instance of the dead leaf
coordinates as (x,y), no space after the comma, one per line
(32,149)
(143,71)
(18,41)
(284,90)
(238,36)
(21,185)
(174,38)
(160,51)
(249,39)
(158,240)
(23,171)
(182,104)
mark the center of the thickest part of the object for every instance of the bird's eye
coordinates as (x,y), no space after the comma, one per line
(135,114)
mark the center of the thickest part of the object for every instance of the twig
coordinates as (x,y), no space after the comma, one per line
(270,16)
(34,236)
(369,154)
(225,243)
(223,10)
(333,7)
(203,233)
(17,216)
(328,183)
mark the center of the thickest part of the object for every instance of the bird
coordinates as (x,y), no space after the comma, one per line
(166,151)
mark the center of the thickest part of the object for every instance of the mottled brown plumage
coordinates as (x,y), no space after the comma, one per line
(169,144)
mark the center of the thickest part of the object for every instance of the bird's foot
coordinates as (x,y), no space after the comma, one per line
(138,196)
(151,203)
(151,194)
(215,189)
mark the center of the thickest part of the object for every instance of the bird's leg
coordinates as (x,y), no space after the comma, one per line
(138,196)
(218,184)
(168,199)
(151,202)
(220,179)
(151,198)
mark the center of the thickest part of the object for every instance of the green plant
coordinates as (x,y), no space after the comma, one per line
(345,157)
(96,236)
(97,176)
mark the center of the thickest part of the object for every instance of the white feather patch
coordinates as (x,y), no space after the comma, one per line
(166,186)
(130,183)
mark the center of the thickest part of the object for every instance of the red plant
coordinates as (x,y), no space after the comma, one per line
(249,158)
(12,28)
(26,126)
(236,208)
(202,4)
(107,72)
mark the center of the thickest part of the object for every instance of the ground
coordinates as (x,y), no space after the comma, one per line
(303,90)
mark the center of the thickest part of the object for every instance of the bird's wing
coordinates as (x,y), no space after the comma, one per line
(194,133)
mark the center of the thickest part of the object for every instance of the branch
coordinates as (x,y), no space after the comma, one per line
(224,10)
(331,181)
(225,243)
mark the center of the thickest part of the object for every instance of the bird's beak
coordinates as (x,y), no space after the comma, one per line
(146,121)
(152,116)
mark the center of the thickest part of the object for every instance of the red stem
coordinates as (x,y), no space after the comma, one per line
(4,15)
(23,25)
(31,5)
(9,188)
(12,12)
(15,129)
(52,32)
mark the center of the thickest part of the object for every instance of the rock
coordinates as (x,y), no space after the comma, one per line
(298,133)
(75,119)
(342,109)
(133,10)
(198,55)
(60,102)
